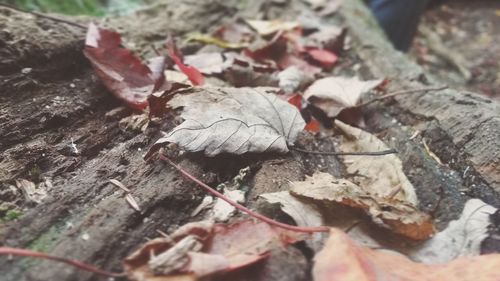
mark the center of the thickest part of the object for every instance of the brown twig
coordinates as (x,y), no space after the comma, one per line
(374,153)
(75,263)
(402,92)
(41,15)
(241,207)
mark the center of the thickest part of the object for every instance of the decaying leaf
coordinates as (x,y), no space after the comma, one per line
(208,39)
(201,249)
(269,27)
(382,176)
(333,94)
(234,120)
(462,237)
(31,191)
(400,216)
(193,74)
(222,210)
(123,74)
(342,259)
(292,78)
(207,63)
(324,57)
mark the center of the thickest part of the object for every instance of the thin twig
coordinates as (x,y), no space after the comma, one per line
(241,207)
(402,92)
(374,153)
(41,15)
(75,263)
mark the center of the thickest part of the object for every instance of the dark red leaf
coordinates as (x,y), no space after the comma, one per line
(193,74)
(313,126)
(324,57)
(293,60)
(123,73)
(263,51)
(296,100)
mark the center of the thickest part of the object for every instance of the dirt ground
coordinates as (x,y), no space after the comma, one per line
(459,42)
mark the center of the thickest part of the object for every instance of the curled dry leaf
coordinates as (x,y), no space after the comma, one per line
(269,27)
(399,216)
(342,259)
(462,237)
(234,120)
(333,94)
(201,249)
(382,176)
(123,73)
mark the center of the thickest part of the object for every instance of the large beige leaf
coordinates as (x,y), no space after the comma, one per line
(234,120)
(342,259)
(382,176)
(333,94)
(399,216)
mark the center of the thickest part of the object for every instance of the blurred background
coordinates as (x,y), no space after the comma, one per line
(458,41)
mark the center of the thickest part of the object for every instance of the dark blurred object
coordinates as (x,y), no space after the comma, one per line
(399,19)
(491,244)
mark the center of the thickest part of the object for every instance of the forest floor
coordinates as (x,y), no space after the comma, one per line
(459,42)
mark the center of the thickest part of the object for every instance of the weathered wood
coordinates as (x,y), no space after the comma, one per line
(87,218)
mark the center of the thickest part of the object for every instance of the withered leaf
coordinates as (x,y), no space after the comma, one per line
(269,27)
(200,249)
(342,259)
(399,216)
(234,120)
(123,73)
(333,94)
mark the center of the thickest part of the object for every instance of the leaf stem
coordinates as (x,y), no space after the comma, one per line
(403,92)
(75,263)
(374,153)
(241,207)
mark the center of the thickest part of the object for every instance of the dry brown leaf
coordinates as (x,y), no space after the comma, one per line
(31,192)
(234,120)
(333,94)
(382,175)
(264,27)
(201,249)
(342,259)
(399,216)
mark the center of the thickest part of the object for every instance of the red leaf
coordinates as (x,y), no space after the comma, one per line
(123,73)
(326,58)
(313,126)
(293,60)
(193,74)
(296,100)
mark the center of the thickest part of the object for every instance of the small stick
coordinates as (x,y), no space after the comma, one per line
(75,263)
(374,153)
(402,92)
(241,207)
(41,15)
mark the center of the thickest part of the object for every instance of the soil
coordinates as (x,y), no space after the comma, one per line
(465,48)
(61,130)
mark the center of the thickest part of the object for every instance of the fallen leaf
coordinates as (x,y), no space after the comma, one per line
(135,122)
(292,79)
(234,120)
(330,8)
(264,27)
(208,39)
(342,259)
(123,74)
(331,38)
(201,249)
(222,210)
(324,57)
(264,51)
(244,72)
(289,60)
(397,215)
(462,237)
(191,72)
(333,94)
(132,202)
(31,192)
(206,63)
(491,244)
(382,176)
